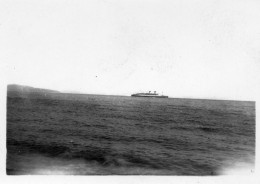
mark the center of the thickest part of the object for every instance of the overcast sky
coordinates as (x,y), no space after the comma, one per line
(192,48)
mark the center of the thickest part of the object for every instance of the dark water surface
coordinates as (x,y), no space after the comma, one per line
(91,134)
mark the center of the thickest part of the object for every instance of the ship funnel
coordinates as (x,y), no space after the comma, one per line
(154,91)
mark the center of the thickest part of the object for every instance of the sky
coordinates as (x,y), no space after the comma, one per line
(184,49)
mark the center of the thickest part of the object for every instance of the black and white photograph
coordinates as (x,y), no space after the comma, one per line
(130,87)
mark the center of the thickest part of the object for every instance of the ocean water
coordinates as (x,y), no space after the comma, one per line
(115,135)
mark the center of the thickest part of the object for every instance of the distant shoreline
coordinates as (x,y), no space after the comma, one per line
(29,90)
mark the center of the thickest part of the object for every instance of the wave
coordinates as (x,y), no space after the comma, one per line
(102,156)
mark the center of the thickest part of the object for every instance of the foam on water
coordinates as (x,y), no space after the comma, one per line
(238,167)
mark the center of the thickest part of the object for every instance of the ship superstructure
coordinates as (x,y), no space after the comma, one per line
(149,94)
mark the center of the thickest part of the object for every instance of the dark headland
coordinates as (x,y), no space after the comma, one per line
(28,89)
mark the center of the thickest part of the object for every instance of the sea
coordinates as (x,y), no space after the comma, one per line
(79,134)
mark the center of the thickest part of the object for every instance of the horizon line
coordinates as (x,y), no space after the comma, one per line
(82,93)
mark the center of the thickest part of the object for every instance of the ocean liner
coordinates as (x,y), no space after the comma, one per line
(152,95)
